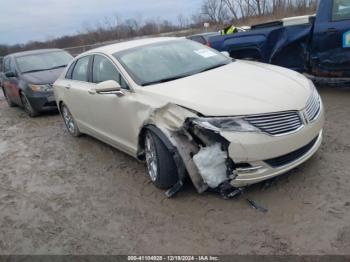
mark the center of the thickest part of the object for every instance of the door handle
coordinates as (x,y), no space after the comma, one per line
(91,92)
(331,30)
(68,86)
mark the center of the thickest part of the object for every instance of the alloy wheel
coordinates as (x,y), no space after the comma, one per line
(68,120)
(151,157)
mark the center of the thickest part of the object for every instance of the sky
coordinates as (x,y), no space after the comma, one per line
(22,21)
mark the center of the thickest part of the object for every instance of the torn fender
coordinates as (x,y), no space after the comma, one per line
(170,119)
(201,152)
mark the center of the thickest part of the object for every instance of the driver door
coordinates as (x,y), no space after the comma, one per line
(111,115)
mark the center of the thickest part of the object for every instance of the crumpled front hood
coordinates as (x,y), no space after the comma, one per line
(42,77)
(240,88)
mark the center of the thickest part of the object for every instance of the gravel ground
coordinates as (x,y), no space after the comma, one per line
(65,195)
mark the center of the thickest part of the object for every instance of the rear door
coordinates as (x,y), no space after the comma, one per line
(76,88)
(331,42)
(11,83)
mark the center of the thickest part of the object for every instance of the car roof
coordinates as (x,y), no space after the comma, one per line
(114,48)
(34,52)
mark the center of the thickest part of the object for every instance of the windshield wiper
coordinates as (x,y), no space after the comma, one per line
(33,71)
(56,67)
(168,79)
(46,69)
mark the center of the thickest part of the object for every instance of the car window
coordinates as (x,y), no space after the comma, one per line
(7,64)
(341,10)
(12,65)
(70,71)
(169,60)
(80,71)
(103,69)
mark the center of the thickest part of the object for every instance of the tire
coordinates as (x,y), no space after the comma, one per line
(69,121)
(9,102)
(161,166)
(27,106)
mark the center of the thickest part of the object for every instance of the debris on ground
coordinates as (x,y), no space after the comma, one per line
(227,191)
(257,206)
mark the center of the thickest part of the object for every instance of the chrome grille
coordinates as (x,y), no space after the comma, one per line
(313,106)
(276,123)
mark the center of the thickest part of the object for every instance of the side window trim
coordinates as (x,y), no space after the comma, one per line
(89,72)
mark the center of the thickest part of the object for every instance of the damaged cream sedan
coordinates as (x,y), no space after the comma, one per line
(186,109)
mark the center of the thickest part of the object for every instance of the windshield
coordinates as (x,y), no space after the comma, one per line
(169,60)
(44,61)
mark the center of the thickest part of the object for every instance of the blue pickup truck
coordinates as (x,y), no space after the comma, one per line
(317,45)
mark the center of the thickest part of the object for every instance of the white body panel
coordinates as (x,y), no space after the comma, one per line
(239,89)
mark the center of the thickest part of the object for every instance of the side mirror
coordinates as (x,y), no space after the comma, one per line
(225,53)
(109,87)
(10,74)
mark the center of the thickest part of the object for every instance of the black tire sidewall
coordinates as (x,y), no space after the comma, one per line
(28,109)
(167,174)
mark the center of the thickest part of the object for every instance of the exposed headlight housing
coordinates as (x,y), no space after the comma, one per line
(40,88)
(234,124)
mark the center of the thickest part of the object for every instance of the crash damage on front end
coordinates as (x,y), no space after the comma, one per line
(199,150)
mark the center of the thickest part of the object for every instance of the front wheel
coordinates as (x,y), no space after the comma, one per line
(69,121)
(28,107)
(161,166)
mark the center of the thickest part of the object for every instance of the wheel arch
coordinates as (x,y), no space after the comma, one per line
(60,103)
(159,133)
(20,91)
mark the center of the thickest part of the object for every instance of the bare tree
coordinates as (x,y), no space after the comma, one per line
(233,7)
(215,10)
(182,21)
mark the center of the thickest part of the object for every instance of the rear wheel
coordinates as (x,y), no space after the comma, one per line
(28,107)
(160,163)
(69,121)
(9,102)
